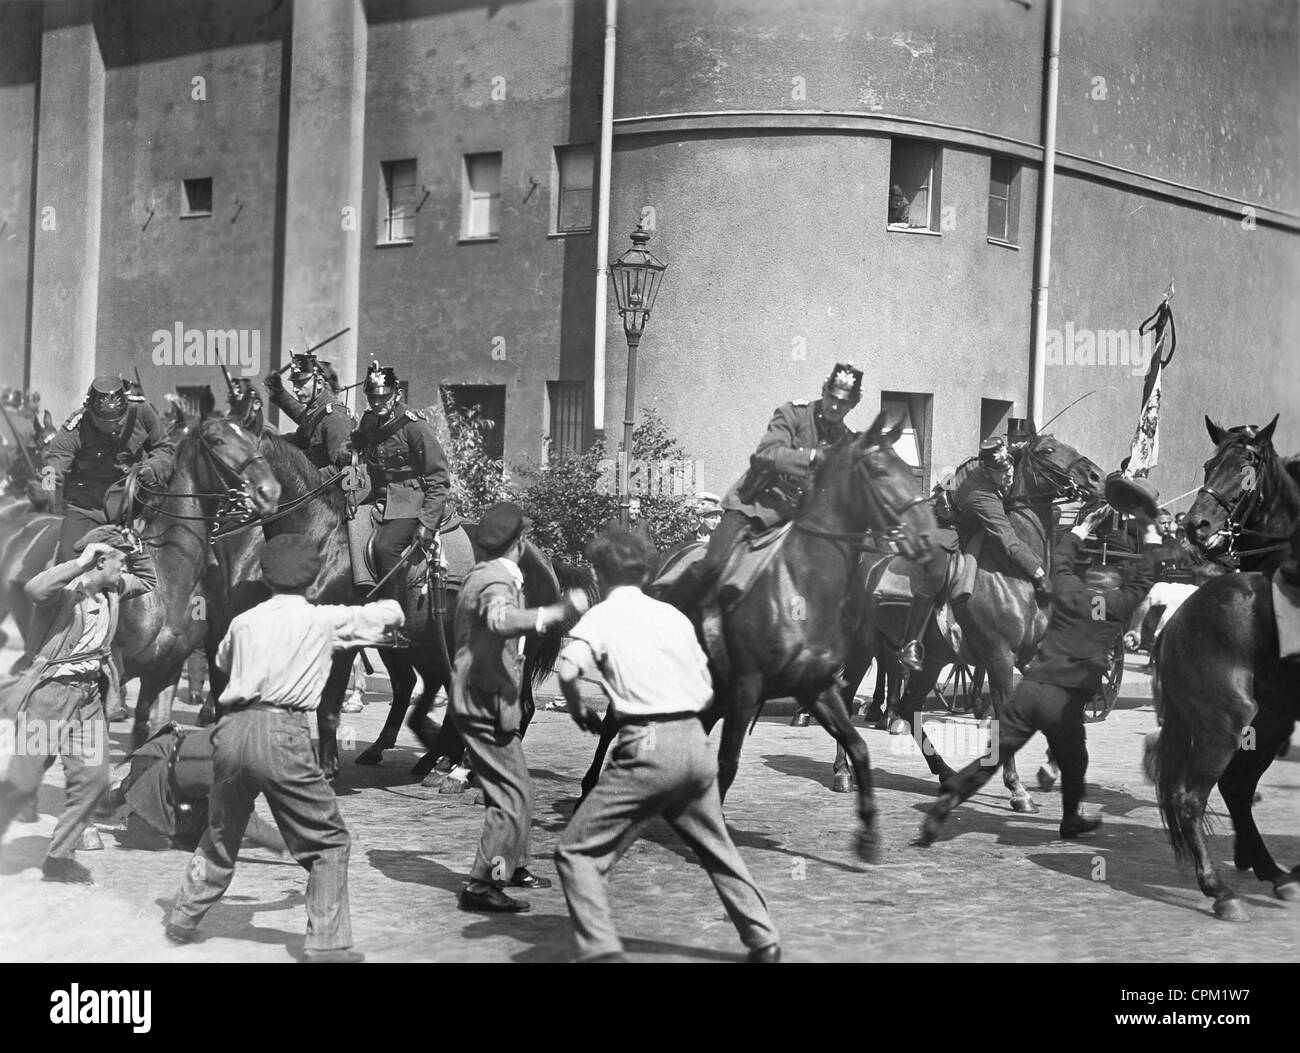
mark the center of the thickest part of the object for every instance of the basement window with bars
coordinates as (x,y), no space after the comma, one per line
(914,185)
(198,197)
(481,199)
(400,200)
(1004,201)
(568,416)
(575,168)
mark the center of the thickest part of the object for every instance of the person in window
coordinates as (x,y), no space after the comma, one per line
(898,205)
(324,423)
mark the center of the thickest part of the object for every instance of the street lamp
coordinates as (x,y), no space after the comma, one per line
(636,277)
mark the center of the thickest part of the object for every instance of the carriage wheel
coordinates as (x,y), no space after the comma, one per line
(962,683)
(1104,701)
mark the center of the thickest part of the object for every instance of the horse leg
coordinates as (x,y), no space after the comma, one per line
(1000,674)
(402,677)
(327,713)
(826,707)
(1237,784)
(859,661)
(745,693)
(608,729)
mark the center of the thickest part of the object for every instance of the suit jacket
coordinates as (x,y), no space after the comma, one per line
(490,618)
(1084,625)
(980,510)
(408,468)
(324,428)
(86,463)
(781,468)
(58,625)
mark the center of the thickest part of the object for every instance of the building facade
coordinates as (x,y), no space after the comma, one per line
(188,182)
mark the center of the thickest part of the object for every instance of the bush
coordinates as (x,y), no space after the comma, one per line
(477,481)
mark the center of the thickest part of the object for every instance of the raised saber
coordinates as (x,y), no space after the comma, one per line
(327,340)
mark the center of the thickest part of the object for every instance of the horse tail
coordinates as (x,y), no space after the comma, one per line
(541,657)
(1166,754)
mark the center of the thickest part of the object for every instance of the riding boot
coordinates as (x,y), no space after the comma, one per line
(918,617)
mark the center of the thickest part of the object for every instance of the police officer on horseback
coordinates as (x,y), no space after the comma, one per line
(408,469)
(981,510)
(780,471)
(97,447)
(324,424)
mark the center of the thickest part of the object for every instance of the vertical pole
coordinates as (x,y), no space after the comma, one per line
(629,416)
(1046,187)
(602,219)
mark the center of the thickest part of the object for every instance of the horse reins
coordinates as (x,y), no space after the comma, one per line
(1237,511)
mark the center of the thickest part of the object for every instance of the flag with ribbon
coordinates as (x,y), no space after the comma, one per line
(1144,452)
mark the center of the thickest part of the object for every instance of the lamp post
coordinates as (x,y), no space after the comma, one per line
(636,277)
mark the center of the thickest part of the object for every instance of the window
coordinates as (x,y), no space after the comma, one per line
(993,417)
(575,168)
(400,201)
(913,445)
(482,197)
(198,197)
(567,403)
(1004,200)
(484,403)
(914,183)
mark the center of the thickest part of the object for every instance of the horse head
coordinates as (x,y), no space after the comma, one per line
(232,462)
(1243,467)
(1047,467)
(863,485)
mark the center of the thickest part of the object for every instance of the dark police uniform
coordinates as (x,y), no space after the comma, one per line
(85,463)
(324,430)
(980,510)
(1065,674)
(408,473)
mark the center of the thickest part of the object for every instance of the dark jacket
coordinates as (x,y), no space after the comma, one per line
(408,468)
(1084,625)
(86,463)
(981,512)
(58,625)
(324,430)
(781,468)
(490,618)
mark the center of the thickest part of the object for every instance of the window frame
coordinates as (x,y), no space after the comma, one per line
(560,190)
(576,392)
(187,212)
(1011,225)
(388,203)
(933,186)
(469,196)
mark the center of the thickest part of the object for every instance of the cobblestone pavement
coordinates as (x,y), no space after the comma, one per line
(1000,886)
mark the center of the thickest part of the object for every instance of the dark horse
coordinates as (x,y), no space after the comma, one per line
(788,635)
(1225,700)
(1002,623)
(318,509)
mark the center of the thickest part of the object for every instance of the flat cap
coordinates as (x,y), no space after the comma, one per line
(103,535)
(500,526)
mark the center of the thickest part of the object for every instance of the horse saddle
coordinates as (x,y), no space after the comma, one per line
(890,583)
(1286,612)
(749,557)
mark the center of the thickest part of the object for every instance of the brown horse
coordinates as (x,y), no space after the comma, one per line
(1001,623)
(788,635)
(1250,501)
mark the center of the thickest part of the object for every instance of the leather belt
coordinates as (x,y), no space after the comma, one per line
(655,718)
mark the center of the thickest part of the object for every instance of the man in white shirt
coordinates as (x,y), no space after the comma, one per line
(645,657)
(278,657)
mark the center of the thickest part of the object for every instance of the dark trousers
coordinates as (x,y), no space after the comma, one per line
(63,719)
(497,758)
(692,582)
(668,770)
(1055,711)
(391,540)
(77,523)
(268,751)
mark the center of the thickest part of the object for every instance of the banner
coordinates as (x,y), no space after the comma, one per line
(1144,453)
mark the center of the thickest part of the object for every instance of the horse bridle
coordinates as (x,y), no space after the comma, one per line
(1242,507)
(235,502)
(1064,487)
(880,510)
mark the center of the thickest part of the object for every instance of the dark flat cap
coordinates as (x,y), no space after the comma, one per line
(103,535)
(500,526)
(290,561)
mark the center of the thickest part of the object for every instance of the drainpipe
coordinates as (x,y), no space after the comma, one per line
(602,219)
(1046,185)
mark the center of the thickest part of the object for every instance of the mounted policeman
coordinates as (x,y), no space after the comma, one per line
(113,432)
(409,478)
(780,471)
(324,423)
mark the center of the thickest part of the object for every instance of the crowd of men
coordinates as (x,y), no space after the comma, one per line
(643,653)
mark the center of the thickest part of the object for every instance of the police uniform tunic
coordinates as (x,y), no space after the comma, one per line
(981,511)
(324,428)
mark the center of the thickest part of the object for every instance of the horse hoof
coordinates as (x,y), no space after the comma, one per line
(1046,780)
(900,727)
(1230,910)
(1025,805)
(1288,889)
(843,783)
(868,847)
(369,756)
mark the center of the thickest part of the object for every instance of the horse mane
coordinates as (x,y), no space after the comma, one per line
(291,465)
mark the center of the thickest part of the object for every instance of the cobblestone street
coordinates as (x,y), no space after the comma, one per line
(999,886)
